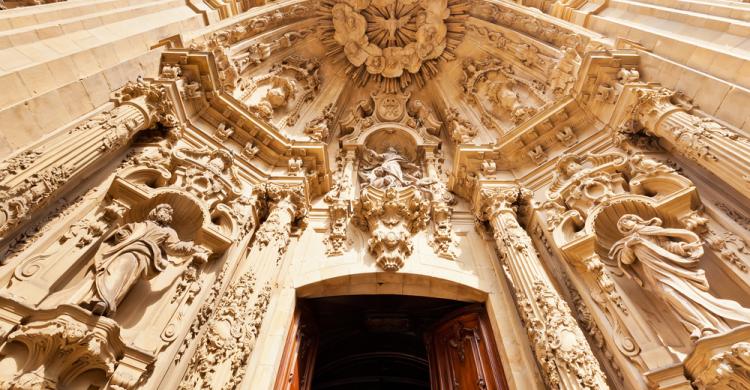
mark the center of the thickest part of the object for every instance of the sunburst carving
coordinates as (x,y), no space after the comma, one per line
(394,42)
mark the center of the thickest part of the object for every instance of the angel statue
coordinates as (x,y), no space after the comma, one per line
(137,250)
(388,169)
(665,262)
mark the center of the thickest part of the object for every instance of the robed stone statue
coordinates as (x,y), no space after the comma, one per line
(135,251)
(388,169)
(666,262)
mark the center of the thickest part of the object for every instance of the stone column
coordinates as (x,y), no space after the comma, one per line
(560,346)
(712,146)
(32,178)
(224,351)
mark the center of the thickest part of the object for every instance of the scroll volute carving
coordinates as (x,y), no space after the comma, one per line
(208,176)
(584,187)
(391,216)
(585,201)
(65,348)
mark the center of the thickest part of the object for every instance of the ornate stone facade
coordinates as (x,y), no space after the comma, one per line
(174,177)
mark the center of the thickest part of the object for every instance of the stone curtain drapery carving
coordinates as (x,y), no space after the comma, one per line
(667,262)
(559,344)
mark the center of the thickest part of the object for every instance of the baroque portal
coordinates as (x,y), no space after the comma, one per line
(413,194)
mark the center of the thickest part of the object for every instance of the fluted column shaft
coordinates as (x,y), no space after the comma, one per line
(717,149)
(560,346)
(30,179)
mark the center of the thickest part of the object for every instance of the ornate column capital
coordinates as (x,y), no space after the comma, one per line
(151,98)
(490,201)
(289,196)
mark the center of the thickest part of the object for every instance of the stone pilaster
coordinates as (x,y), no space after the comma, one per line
(702,140)
(559,344)
(225,348)
(339,201)
(31,179)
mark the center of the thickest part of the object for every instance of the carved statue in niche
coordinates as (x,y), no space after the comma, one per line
(137,250)
(388,169)
(666,262)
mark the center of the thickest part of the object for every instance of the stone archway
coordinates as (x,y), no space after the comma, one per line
(381,283)
(378,341)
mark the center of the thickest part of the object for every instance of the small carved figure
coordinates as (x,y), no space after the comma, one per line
(489,167)
(424,115)
(666,262)
(279,95)
(460,129)
(628,75)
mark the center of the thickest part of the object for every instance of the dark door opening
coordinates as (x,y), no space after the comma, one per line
(374,342)
(394,342)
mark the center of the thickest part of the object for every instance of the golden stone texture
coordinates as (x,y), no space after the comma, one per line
(174,175)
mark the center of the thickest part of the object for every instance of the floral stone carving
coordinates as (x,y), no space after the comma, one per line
(394,39)
(391,217)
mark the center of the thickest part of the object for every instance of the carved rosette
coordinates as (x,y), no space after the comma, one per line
(559,344)
(391,217)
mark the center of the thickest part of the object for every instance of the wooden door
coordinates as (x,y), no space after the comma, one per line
(298,360)
(462,353)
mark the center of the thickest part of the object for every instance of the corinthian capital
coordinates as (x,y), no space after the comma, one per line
(152,98)
(491,201)
(291,196)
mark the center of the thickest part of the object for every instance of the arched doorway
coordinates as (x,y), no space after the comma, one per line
(372,342)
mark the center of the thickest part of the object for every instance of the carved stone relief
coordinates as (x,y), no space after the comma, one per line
(279,95)
(502,98)
(396,42)
(391,217)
